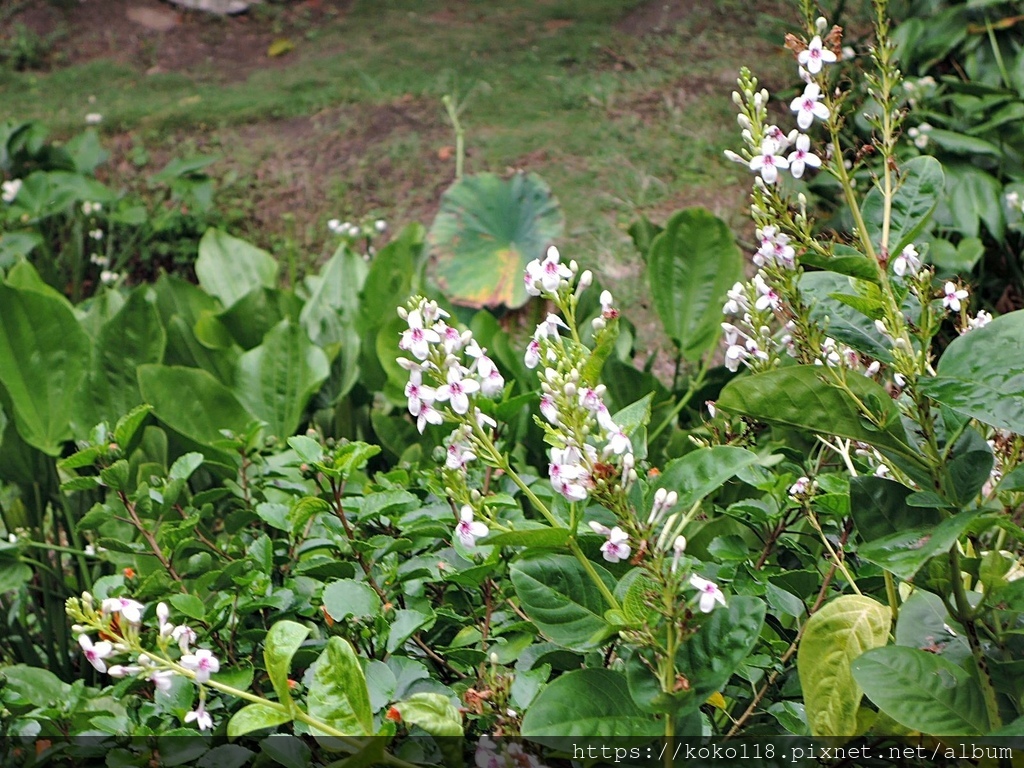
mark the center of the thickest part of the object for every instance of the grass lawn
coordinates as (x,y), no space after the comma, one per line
(622,106)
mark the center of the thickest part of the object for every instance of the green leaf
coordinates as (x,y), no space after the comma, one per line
(833,638)
(226,756)
(560,598)
(591,703)
(844,261)
(406,624)
(281,643)
(796,396)
(333,304)
(129,424)
(920,186)
(275,380)
(432,712)
(44,355)
(690,267)
(133,337)
(903,553)
(208,408)
(959,259)
(337,694)
(973,196)
(347,597)
(185,465)
(190,605)
(924,621)
(698,473)
(844,322)
(879,507)
(229,268)
(289,751)
(485,233)
(545,538)
(981,374)
(922,691)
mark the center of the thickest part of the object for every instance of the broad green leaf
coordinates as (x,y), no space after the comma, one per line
(288,751)
(698,473)
(432,712)
(129,424)
(405,625)
(797,396)
(281,643)
(957,259)
(192,402)
(337,693)
(35,686)
(922,691)
(925,623)
(981,374)
(333,303)
(132,337)
(44,355)
(562,601)
(921,184)
(487,230)
(844,261)
(546,538)
(690,267)
(879,508)
(973,197)
(229,268)
(903,553)
(181,305)
(592,703)
(275,380)
(347,597)
(843,322)
(226,756)
(250,318)
(833,638)
(190,605)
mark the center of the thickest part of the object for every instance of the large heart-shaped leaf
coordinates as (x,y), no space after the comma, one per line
(44,354)
(591,703)
(485,233)
(691,266)
(836,635)
(560,598)
(275,380)
(922,691)
(229,268)
(981,374)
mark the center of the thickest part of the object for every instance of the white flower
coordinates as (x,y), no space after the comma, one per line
(492,383)
(736,300)
(108,277)
(800,487)
(953,296)
(767,297)
(907,260)
(10,190)
(123,670)
(548,273)
(129,609)
(802,157)
(203,663)
(184,636)
(532,356)
(96,234)
(161,679)
(418,394)
(93,118)
(428,415)
(616,548)
(590,399)
(469,530)
(572,491)
(980,320)
(734,355)
(457,391)
(618,442)
(774,247)
(678,547)
(769,162)
(200,716)
(380,225)
(483,420)
(96,653)
(451,339)
(458,456)
(782,139)
(709,593)
(163,613)
(418,339)
(808,106)
(815,55)
(548,409)
(549,328)
(1013,201)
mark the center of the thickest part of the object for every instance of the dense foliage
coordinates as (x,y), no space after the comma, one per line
(354,510)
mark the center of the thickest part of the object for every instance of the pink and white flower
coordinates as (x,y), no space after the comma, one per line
(953,296)
(417,339)
(546,275)
(131,610)
(815,55)
(709,593)
(769,162)
(203,663)
(457,391)
(532,356)
(808,106)
(428,415)
(802,157)
(908,260)
(548,409)
(200,717)
(469,530)
(616,548)
(418,393)
(95,653)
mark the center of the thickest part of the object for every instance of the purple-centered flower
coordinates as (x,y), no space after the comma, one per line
(709,593)
(908,260)
(616,548)
(203,663)
(428,415)
(457,391)
(418,393)
(802,157)
(469,530)
(131,610)
(808,106)
(200,716)
(547,274)
(532,356)
(95,653)
(769,162)
(953,296)
(815,55)
(418,339)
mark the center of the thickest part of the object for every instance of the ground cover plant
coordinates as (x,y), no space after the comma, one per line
(358,517)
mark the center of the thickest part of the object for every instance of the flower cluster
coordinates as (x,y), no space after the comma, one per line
(119,622)
(9,190)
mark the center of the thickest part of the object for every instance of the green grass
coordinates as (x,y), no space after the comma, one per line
(618,125)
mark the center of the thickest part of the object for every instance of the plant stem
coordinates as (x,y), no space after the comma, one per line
(832,553)
(695,384)
(966,615)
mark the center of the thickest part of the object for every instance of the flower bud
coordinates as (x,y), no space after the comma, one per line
(598,324)
(737,99)
(821,24)
(743,120)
